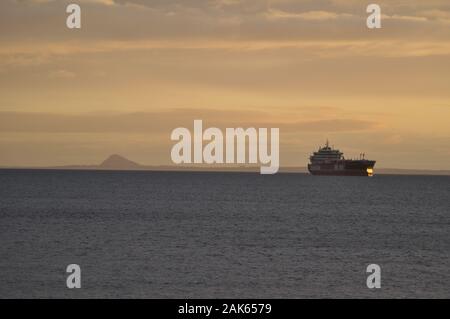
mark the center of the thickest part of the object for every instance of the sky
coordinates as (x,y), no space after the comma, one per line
(137,69)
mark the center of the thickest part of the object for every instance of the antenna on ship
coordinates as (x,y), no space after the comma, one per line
(327,143)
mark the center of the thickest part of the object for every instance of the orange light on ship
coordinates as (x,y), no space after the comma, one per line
(370,171)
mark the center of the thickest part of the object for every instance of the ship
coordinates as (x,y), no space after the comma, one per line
(330,161)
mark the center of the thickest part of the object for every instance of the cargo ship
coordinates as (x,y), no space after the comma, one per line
(330,161)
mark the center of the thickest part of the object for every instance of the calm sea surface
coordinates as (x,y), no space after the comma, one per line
(218,235)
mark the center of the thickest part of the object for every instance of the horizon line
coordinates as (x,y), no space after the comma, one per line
(222,169)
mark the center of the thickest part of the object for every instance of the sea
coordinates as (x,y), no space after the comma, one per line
(222,235)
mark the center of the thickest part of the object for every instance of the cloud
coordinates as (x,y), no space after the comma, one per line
(62,74)
(37,54)
(332,125)
(165,122)
(22,59)
(104,2)
(406,18)
(224,19)
(309,15)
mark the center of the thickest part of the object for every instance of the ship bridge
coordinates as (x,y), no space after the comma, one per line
(326,154)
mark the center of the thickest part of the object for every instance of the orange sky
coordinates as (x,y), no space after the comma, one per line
(138,69)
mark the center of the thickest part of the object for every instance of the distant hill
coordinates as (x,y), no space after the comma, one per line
(118,162)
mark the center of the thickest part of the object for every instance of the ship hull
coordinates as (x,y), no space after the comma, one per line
(339,173)
(343,168)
